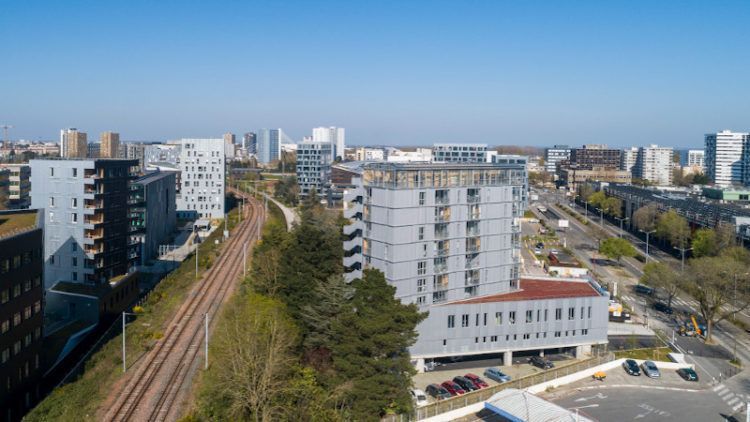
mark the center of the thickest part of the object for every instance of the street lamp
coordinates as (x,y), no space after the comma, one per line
(621,221)
(124,362)
(647,234)
(601,217)
(683,250)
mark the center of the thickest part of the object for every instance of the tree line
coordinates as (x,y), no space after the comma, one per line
(299,343)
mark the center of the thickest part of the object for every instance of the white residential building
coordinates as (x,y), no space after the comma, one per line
(460,153)
(724,155)
(629,158)
(335,135)
(696,158)
(394,155)
(202,163)
(313,166)
(654,164)
(554,155)
(369,154)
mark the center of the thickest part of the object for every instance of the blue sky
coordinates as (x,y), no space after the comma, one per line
(390,72)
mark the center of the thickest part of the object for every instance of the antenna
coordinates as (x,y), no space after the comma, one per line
(5,131)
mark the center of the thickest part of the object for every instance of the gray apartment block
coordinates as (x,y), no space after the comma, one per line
(554,155)
(460,153)
(154,212)
(161,154)
(313,166)
(447,236)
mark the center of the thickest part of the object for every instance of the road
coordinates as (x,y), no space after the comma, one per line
(583,244)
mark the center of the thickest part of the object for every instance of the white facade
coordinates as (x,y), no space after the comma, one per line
(313,166)
(202,163)
(336,136)
(420,155)
(724,154)
(460,153)
(654,163)
(696,158)
(554,155)
(629,158)
(369,154)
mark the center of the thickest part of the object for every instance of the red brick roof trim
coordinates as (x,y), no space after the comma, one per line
(538,290)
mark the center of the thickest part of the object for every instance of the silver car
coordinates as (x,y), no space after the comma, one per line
(650,369)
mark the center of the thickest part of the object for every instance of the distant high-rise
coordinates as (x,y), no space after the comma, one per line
(249,143)
(595,156)
(654,164)
(628,158)
(460,153)
(268,145)
(202,163)
(724,157)
(229,138)
(554,155)
(73,143)
(696,158)
(313,166)
(335,135)
(110,145)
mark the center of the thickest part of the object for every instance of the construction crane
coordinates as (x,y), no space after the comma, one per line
(5,132)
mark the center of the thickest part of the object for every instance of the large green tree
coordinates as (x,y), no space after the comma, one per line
(371,349)
(645,217)
(616,248)
(664,277)
(673,228)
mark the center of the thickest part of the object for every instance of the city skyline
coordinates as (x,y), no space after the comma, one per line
(502,74)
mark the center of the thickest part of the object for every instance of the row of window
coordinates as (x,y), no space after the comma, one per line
(17,261)
(18,317)
(541,316)
(18,288)
(24,372)
(527,336)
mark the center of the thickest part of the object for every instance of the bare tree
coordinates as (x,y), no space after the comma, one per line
(644,218)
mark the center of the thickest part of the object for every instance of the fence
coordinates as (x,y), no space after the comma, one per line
(447,405)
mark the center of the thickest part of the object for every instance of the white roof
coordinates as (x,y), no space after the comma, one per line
(519,405)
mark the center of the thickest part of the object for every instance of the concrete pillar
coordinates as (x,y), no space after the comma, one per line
(508,358)
(583,351)
(419,365)
(541,353)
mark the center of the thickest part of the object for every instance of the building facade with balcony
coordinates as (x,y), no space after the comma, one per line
(19,185)
(447,237)
(21,311)
(153,215)
(460,153)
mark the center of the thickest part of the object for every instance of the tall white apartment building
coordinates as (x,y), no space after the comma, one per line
(202,164)
(629,158)
(313,166)
(268,144)
(460,153)
(554,155)
(335,135)
(447,237)
(724,153)
(696,158)
(654,163)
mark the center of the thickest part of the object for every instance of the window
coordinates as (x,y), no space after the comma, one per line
(538,312)
(589,312)
(573,333)
(529,316)
(515,337)
(6,355)
(476,320)
(74,261)
(585,332)
(493,338)
(526,336)
(421,198)
(451,321)
(445,342)
(498,318)
(421,233)
(37,281)
(582,314)
(566,333)
(557,333)
(74,276)
(37,307)
(512,317)
(52,172)
(27,312)
(16,290)
(17,347)
(465,320)
(51,201)
(571,313)
(4,296)
(5,326)
(16,319)
(558,314)
(546,311)
(421,267)
(485,319)
(537,335)
(51,216)
(74,172)
(74,203)
(421,300)
(26,285)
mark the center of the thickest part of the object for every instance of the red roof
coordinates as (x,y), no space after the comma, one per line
(538,290)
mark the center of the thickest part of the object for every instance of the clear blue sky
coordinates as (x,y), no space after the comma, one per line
(398,73)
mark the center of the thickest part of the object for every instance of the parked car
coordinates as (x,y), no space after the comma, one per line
(631,367)
(688,374)
(541,362)
(540,245)
(496,375)
(650,369)
(465,383)
(643,290)
(419,397)
(538,251)
(453,388)
(662,307)
(438,392)
(476,380)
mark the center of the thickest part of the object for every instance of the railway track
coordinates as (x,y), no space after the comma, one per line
(155,389)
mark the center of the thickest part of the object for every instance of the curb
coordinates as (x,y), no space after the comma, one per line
(647,387)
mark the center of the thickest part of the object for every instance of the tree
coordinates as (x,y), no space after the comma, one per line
(287,190)
(253,349)
(612,206)
(3,200)
(644,218)
(673,228)
(598,199)
(700,179)
(616,248)
(331,297)
(585,191)
(719,285)
(664,277)
(265,270)
(704,243)
(371,350)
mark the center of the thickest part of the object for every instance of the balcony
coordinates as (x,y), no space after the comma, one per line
(350,261)
(96,219)
(442,214)
(473,199)
(442,200)
(474,216)
(441,268)
(442,252)
(472,231)
(94,234)
(473,247)
(472,261)
(441,231)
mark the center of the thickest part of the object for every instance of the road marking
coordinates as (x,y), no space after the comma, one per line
(725,395)
(597,396)
(584,407)
(738,406)
(733,401)
(719,387)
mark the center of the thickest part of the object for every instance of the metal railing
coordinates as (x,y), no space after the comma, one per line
(447,405)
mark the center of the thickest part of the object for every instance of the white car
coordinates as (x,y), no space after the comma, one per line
(419,397)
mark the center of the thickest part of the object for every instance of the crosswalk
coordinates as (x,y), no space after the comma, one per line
(735,401)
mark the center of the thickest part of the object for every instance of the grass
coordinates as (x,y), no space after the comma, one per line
(652,353)
(15,222)
(80,399)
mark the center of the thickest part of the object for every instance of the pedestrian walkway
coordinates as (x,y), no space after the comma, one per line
(735,400)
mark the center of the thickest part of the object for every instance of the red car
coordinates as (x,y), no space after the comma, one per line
(476,380)
(453,388)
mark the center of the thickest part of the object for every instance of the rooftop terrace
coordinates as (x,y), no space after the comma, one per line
(15,222)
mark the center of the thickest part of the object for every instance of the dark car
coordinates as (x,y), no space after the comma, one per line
(662,307)
(688,374)
(539,245)
(453,388)
(631,367)
(479,382)
(465,383)
(643,290)
(541,362)
(437,392)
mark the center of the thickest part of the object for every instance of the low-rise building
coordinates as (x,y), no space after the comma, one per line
(460,153)
(572,176)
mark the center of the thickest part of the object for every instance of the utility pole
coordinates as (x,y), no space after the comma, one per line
(244,261)
(197,248)
(124,361)
(206,367)
(622,219)
(683,250)
(647,234)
